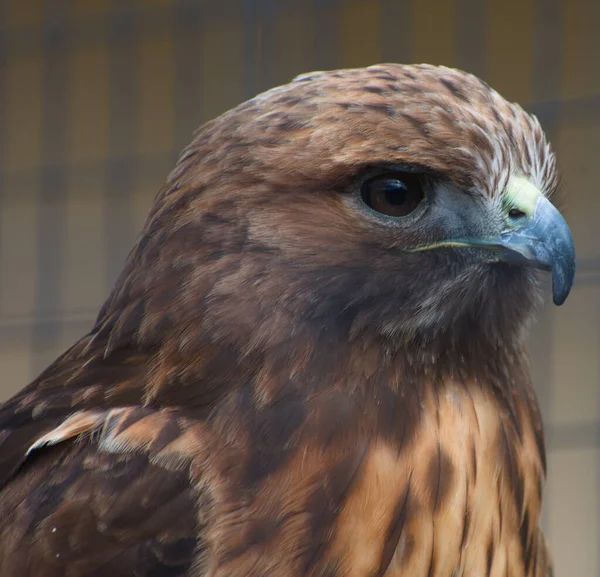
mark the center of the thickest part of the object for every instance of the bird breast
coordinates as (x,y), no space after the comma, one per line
(462,498)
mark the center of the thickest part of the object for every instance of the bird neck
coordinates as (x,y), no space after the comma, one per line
(201,373)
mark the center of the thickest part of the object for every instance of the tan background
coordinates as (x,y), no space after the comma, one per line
(98,97)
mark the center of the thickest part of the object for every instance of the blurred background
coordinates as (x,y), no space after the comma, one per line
(97,98)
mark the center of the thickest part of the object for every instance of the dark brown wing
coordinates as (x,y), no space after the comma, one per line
(91,483)
(116,501)
(78,379)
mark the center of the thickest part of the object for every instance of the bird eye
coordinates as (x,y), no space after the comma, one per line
(395,194)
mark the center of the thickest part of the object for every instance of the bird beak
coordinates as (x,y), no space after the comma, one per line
(534,234)
(539,237)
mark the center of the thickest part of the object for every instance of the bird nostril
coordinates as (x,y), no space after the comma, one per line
(516,213)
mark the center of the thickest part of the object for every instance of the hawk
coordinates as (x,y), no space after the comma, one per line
(313,360)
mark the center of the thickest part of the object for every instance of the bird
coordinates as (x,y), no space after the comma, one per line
(313,362)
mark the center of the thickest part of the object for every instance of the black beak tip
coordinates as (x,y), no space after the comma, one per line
(562,281)
(563,268)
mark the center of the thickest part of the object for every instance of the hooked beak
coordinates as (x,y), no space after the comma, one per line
(543,241)
(538,236)
(534,234)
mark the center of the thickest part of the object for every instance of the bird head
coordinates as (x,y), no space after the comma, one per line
(406,200)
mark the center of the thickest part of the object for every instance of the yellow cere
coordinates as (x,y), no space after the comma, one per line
(521,194)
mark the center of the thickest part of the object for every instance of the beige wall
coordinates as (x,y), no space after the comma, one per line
(97,97)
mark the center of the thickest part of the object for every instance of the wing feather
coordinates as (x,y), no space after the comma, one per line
(92,498)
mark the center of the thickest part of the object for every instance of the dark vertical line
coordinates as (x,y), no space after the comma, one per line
(327,34)
(471,29)
(251,10)
(187,72)
(396,37)
(547,50)
(267,48)
(52,196)
(119,218)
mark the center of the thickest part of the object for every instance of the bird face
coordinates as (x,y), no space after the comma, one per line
(409,199)
(522,227)
(466,248)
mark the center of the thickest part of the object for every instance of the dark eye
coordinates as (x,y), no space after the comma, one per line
(394,194)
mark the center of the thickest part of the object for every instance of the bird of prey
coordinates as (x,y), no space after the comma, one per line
(312,363)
